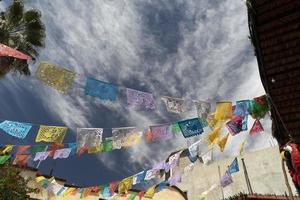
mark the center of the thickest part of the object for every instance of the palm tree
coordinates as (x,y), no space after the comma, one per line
(22,30)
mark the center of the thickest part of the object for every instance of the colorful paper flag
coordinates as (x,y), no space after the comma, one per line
(175,178)
(139,177)
(226,179)
(151,174)
(223,142)
(3,159)
(125,185)
(55,76)
(214,136)
(10,52)
(174,105)
(241,108)
(256,128)
(6,149)
(22,149)
(234,166)
(161,132)
(89,137)
(16,129)
(100,89)
(150,192)
(193,151)
(51,134)
(172,161)
(128,136)
(39,156)
(21,160)
(234,127)
(191,127)
(162,185)
(242,146)
(62,153)
(211,121)
(203,109)
(139,98)
(259,106)
(223,110)
(38,148)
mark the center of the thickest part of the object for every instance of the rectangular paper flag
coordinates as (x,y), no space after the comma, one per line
(16,129)
(10,52)
(55,76)
(127,136)
(161,132)
(174,105)
(51,134)
(139,98)
(203,108)
(191,127)
(89,137)
(100,89)
(223,110)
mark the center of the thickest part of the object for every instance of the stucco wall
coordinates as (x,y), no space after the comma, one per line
(264,170)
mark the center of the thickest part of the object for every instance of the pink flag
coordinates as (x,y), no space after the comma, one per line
(257,127)
(8,51)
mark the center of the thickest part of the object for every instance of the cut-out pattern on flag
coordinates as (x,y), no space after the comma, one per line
(89,137)
(7,148)
(41,156)
(161,132)
(151,174)
(128,136)
(211,121)
(203,108)
(51,134)
(226,179)
(191,127)
(174,105)
(214,136)
(256,128)
(16,129)
(139,98)
(150,192)
(241,108)
(100,89)
(125,185)
(55,76)
(223,110)
(62,153)
(139,177)
(10,52)
(234,166)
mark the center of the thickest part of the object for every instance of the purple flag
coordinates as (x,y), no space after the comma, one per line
(160,165)
(139,98)
(62,153)
(234,127)
(161,132)
(176,178)
(226,179)
(41,156)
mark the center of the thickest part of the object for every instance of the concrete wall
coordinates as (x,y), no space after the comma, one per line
(264,171)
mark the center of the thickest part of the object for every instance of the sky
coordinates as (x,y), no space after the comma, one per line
(191,49)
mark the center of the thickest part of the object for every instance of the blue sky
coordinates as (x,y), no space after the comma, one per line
(195,49)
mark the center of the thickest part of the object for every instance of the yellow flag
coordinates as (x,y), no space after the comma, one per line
(214,136)
(7,148)
(51,134)
(55,76)
(223,142)
(125,184)
(211,121)
(242,147)
(68,191)
(150,192)
(223,110)
(40,178)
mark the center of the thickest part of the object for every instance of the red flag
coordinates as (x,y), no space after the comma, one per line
(54,147)
(113,186)
(141,194)
(257,127)
(22,149)
(21,160)
(8,51)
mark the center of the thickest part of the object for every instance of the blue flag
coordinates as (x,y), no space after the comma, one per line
(190,127)
(234,166)
(102,90)
(16,129)
(241,108)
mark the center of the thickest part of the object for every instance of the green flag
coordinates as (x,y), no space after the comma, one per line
(3,159)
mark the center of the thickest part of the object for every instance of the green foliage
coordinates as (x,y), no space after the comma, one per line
(12,185)
(22,30)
